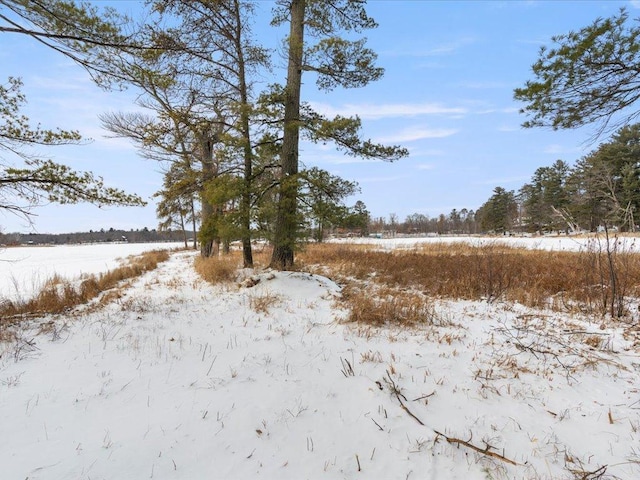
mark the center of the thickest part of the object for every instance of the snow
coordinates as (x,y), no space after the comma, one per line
(551,242)
(179,379)
(26,269)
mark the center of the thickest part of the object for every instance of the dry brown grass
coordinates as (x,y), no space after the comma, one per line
(223,269)
(387,306)
(59,295)
(264,302)
(557,279)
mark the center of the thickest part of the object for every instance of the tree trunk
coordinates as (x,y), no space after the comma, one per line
(208,247)
(286,227)
(193,220)
(245,202)
(184,231)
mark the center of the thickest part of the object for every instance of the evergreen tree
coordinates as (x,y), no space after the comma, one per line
(605,184)
(177,198)
(337,62)
(545,198)
(498,214)
(322,195)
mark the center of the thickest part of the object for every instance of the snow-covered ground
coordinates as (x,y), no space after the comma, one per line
(183,380)
(23,270)
(552,242)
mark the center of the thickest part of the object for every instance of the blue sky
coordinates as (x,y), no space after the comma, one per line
(447,95)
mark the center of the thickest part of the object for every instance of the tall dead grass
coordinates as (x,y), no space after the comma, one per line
(59,295)
(387,305)
(544,279)
(222,269)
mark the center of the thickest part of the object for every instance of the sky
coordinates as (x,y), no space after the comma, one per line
(447,95)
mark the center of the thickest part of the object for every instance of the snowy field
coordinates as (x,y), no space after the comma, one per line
(183,380)
(557,243)
(23,270)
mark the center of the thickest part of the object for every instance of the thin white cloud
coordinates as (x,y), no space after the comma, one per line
(388,110)
(446,48)
(413,134)
(426,166)
(534,41)
(635,3)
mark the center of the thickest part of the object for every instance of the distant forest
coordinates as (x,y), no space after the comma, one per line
(95,236)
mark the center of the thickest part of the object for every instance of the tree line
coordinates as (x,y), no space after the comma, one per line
(601,190)
(104,235)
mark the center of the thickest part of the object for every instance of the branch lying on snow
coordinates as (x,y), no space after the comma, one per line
(483,451)
(395,390)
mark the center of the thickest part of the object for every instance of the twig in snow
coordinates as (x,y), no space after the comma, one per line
(484,451)
(423,397)
(398,394)
(393,387)
(358,462)
(594,475)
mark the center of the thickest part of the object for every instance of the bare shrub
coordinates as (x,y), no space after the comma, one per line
(610,274)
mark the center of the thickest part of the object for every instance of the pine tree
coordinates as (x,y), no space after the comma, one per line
(337,62)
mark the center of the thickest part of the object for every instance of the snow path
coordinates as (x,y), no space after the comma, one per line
(183,380)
